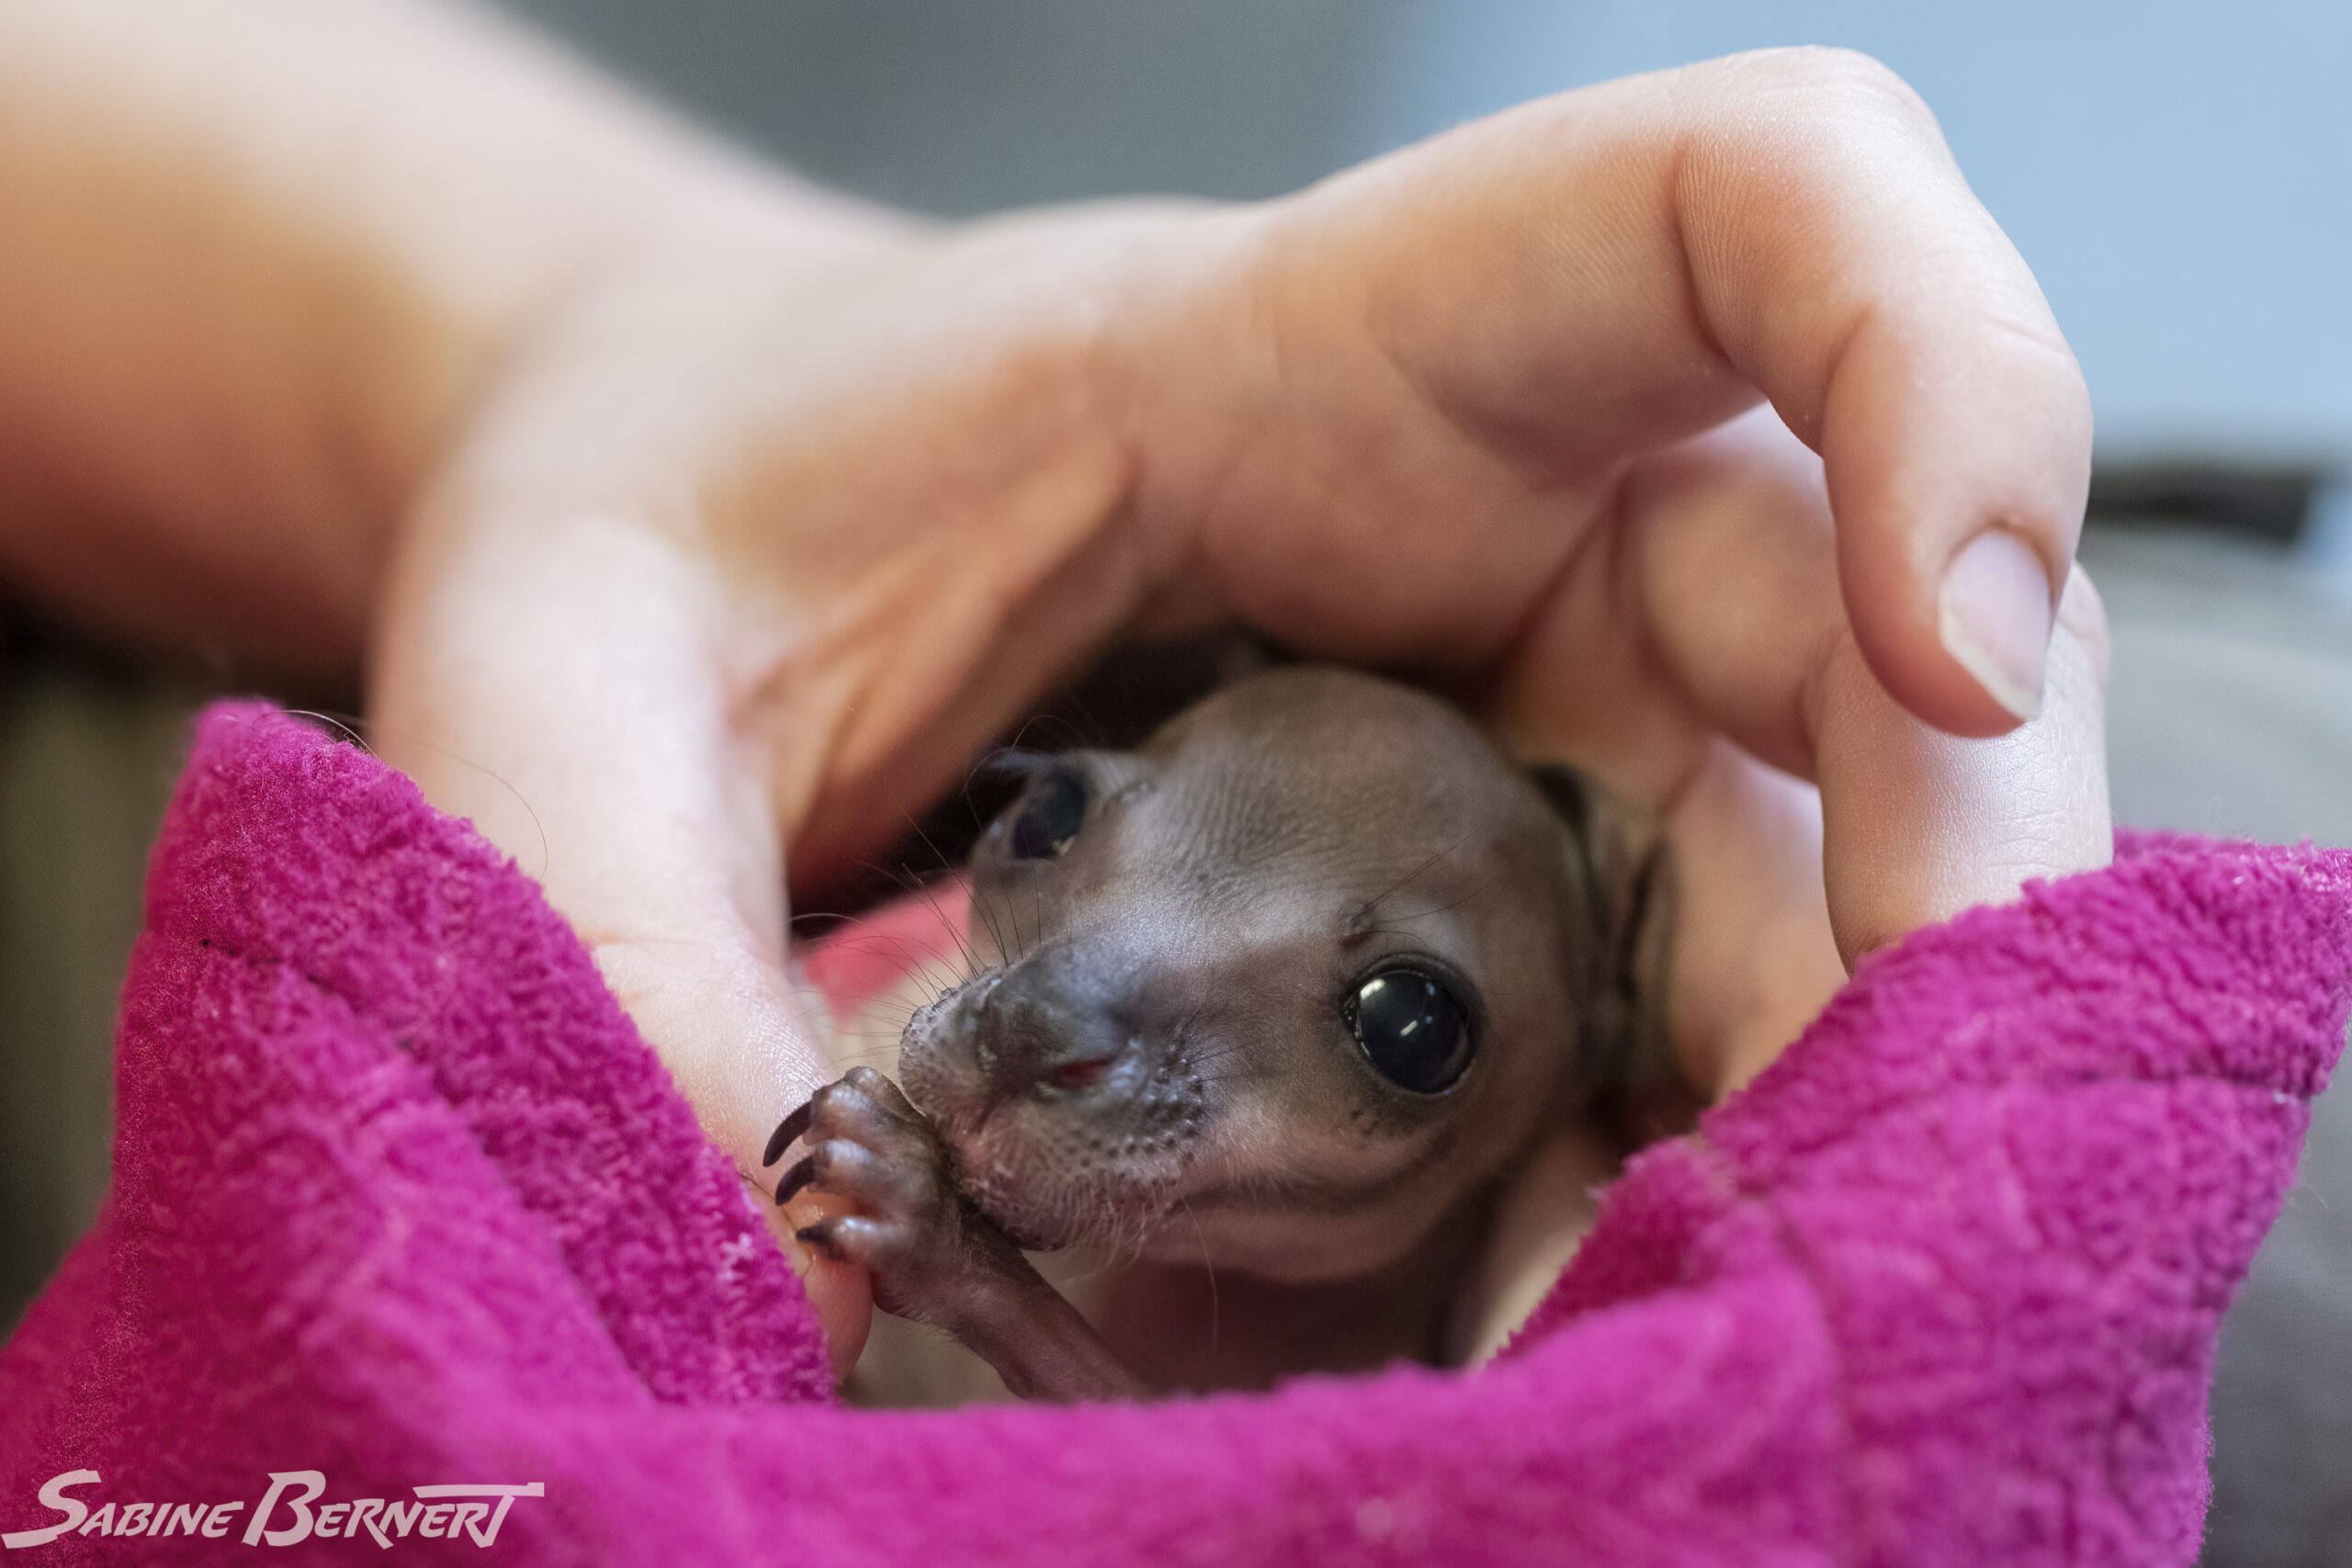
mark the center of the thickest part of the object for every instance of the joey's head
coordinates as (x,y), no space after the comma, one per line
(1286,985)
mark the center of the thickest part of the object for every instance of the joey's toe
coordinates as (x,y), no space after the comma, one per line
(886,1096)
(795,1180)
(852,1238)
(850,1108)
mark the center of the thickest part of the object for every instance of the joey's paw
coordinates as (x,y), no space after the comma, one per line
(911,1228)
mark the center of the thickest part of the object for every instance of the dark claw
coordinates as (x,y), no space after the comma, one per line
(785,1131)
(799,1177)
(820,1237)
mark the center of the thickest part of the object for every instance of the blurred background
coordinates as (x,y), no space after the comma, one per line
(2179,176)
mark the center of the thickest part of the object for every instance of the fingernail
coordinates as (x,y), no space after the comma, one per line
(1993,616)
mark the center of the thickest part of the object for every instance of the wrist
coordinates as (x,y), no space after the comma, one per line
(264,262)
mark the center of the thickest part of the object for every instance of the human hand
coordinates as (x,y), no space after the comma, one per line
(743,553)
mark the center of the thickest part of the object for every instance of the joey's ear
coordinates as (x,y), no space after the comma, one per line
(1620,883)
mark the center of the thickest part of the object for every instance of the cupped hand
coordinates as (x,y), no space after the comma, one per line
(746,551)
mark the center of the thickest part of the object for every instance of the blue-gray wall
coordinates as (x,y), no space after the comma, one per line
(2178,175)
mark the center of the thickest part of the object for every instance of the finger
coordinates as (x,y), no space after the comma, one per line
(1918,824)
(1618,268)
(550,684)
(1737,591)
(1723,615)
(554,685)
(1674,656)
(1755,957)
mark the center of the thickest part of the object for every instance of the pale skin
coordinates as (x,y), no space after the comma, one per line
(693,526)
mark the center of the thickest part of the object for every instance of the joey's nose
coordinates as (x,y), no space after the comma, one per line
(1033,1038)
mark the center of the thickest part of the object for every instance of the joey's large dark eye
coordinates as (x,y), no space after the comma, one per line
(1051,815)
(1412,1028)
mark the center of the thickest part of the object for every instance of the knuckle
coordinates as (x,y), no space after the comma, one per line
(1830,85)
(1840,73)
(1839,67)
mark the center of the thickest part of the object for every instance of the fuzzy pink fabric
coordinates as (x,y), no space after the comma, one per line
(401,1199)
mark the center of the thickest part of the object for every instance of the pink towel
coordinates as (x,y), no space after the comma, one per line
(412,1240)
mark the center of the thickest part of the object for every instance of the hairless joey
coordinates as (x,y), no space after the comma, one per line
(1259,1019)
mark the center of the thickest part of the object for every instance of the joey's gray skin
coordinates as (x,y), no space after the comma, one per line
(1268,1009)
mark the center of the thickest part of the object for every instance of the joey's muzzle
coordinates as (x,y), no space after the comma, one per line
(1038,1034)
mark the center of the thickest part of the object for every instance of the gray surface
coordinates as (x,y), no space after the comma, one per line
(2282,1401)
(87,762)
(2230,708)
(2230,712)
(951,106)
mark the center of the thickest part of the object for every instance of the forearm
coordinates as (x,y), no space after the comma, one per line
(257,259)
(1041,1347)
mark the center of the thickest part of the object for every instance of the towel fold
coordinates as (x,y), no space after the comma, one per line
(403,1206)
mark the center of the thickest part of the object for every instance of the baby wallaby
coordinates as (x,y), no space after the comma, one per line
(1264,1013)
